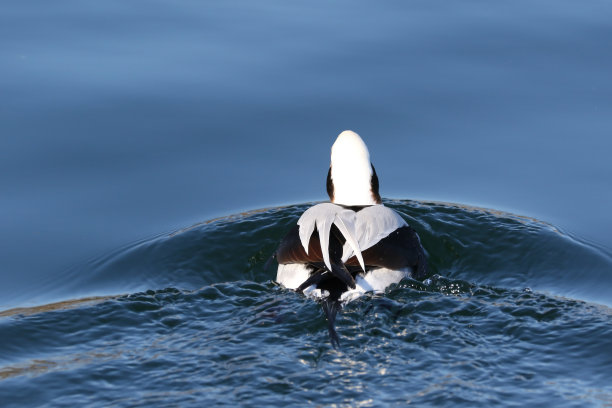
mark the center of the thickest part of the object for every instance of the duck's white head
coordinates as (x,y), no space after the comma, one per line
(351,179)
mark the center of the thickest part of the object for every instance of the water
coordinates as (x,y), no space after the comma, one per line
(203,323)
(123,124)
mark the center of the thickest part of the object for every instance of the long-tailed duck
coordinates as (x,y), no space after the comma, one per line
(353,244)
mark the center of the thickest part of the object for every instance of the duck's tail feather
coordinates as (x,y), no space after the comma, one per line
(331,308)
(339,271)
(314,278)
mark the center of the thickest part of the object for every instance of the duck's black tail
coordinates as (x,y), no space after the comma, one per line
(331,308)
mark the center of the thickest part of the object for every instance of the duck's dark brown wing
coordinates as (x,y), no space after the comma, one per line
(400,249)
(291,251)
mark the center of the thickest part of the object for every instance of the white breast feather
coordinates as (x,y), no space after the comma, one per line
(377,280)
(292,276)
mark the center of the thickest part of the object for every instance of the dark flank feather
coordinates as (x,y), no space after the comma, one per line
(291,251)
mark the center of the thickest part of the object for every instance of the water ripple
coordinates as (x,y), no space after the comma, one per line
(193,317)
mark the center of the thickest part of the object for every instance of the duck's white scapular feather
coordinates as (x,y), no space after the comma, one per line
(372,224)
(322,216)
(362,229)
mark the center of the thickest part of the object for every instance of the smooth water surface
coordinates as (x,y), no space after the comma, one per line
(122,120)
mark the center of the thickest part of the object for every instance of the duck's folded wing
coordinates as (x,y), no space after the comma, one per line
(372,224)
(400,249)
(291,251)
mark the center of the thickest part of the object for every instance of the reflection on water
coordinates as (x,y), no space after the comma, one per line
(63,305)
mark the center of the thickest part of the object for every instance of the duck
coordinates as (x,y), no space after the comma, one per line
(353,244)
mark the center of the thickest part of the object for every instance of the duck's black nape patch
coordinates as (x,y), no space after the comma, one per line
(374,184)
(330,185)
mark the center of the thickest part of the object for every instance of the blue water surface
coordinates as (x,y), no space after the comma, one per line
(123,122)
(120,120)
